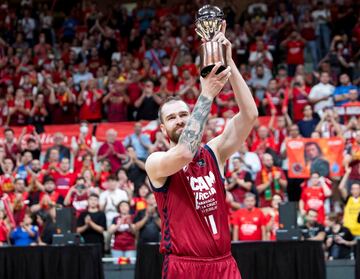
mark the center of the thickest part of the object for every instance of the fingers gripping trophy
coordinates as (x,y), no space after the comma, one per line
(209,23)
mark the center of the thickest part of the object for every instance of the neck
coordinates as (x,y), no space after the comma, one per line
(93,209)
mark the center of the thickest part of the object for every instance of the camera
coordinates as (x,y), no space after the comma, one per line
(80,187)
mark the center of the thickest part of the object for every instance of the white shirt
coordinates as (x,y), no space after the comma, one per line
(250,159)
(322,90)
(111,201)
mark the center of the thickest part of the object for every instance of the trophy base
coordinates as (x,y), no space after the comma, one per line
(205,71)
(210,54)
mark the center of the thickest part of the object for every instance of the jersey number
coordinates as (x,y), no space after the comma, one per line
(211,221)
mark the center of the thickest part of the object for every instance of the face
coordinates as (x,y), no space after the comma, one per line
(312,151)
(263,132)
(124,208)
(9,136)
(65,164)
(112,184)
(27,219)
(35,165)
(49,186)
(259,71)
(175,116)
(93,202)
(19,185)
(344,79)
(311,217)
(308,111)
(324,78)
(111,136)
(54,155)
(315,179)
(138,128)
(355,190)
(276,200)
(268,160)
(27,157)
(143,190)
(8,165)
(281,122)
(151,200)
(58,139)
(249,202)
(122,175)
(294,131)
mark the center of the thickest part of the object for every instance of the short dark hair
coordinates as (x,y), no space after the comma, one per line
(94,195)
(112,177)
(9,130)
(80,178)
(168,100)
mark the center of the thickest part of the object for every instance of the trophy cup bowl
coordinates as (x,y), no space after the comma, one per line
(208,25)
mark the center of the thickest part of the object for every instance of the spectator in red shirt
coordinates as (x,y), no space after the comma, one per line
(90,101)
(52,164)
(12,149)
(299,93)
(124,233)
(41,49)
(240,181)
(263,142)
(77,196)
(50,197)
(295,45)
(269,180)
(39,113)
(272,217)
(112,150)
(313,196)
(103,174)
(63,177)
(19,109)
(117,101)
(276,99)
(249,222)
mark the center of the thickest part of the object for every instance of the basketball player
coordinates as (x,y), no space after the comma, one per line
(188,179)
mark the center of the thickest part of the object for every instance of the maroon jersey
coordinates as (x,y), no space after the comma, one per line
(194,216)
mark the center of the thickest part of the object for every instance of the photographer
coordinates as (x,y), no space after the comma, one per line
(77,197)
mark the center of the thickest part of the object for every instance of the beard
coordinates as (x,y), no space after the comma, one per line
(175,134)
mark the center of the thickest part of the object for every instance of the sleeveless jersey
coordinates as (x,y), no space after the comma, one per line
(192,208)
(351,212)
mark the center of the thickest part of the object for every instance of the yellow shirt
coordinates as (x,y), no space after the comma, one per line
(351,213)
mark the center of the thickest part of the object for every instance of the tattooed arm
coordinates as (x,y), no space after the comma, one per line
(160,165)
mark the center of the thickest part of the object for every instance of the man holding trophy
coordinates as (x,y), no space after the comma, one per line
(188,178)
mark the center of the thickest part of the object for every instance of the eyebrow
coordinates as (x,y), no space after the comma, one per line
(172,114)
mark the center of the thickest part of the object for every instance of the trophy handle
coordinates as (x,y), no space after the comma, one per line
(210,54)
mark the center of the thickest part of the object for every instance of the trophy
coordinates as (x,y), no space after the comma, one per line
(208,23)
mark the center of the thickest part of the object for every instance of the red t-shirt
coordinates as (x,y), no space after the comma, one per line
(54,197)
(314,198)
(63,182)
(249,222)
(91,108)
(19,118)
(259,146)
(79,202)
(124,239)
(299,102)
(118,148)
(295,53)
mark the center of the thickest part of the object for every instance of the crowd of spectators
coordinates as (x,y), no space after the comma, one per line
(301,60)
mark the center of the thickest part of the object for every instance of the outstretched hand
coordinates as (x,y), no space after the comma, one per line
(220,37)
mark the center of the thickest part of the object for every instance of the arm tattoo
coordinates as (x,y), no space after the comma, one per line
(192,134)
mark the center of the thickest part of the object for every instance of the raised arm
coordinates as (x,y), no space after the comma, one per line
(160,165)
(241,124)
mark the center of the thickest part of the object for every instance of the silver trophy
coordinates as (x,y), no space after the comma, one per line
(208,24)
